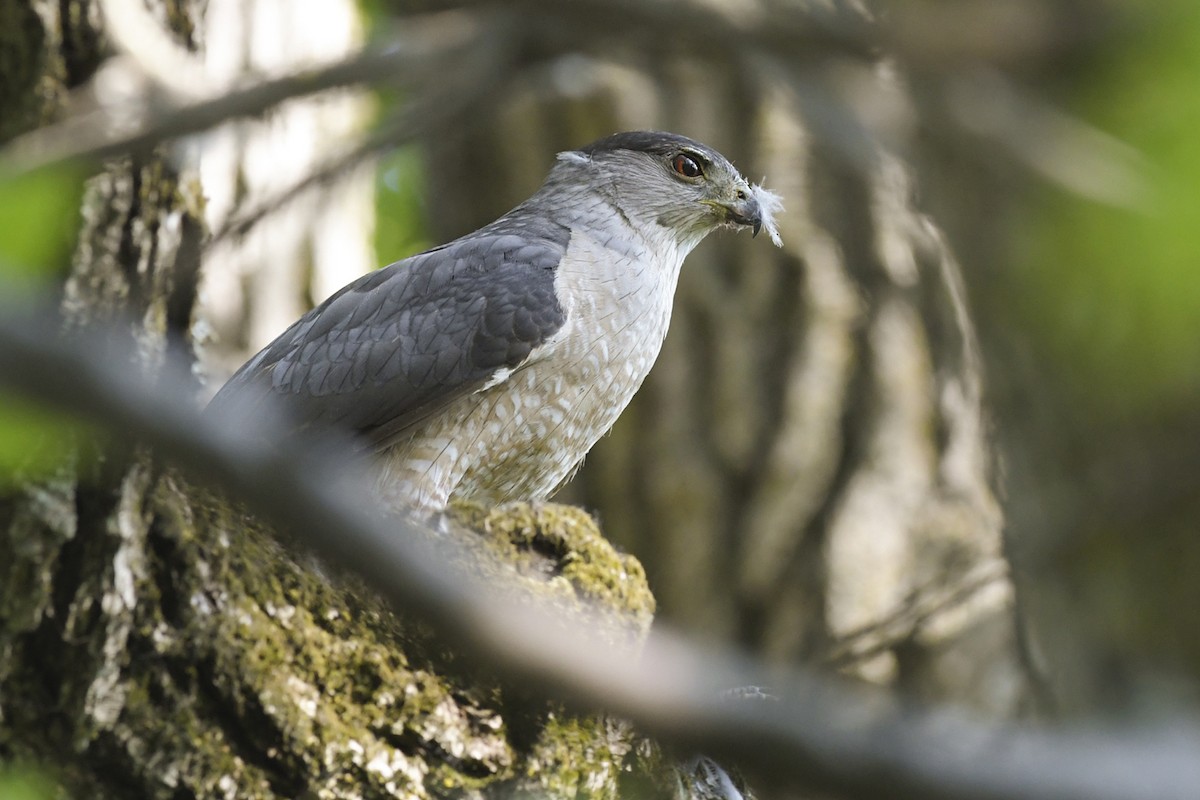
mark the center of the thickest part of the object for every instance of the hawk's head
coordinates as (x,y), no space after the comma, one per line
(673,182)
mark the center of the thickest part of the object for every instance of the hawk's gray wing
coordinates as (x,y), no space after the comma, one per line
(397,345)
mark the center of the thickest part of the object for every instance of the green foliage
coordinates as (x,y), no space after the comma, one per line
(40,213)
(399,201)
(32,441)
(20,783)
(401,228)
(1115,293)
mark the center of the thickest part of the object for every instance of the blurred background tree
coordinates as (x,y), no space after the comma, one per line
(1088,297)
(807,470)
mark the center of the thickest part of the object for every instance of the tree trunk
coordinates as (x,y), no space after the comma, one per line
(154,643)
(807,470)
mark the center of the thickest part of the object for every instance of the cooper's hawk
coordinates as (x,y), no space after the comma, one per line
(485,369)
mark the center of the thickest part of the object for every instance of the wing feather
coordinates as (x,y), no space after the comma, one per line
(397,345)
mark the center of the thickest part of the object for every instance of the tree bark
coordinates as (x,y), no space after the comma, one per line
(808,469)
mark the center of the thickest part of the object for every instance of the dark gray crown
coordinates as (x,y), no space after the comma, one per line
(657,142)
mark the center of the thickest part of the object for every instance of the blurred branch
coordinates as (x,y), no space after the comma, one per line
(160,102)
(922,606)
(819,735)
(930,35)
(1062,149)
(1015,33)
(432,48)
(427,116)
(807,33)
(242,222)
(470,46)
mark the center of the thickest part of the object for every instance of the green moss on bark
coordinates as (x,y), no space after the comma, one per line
(536,537)
(250,672)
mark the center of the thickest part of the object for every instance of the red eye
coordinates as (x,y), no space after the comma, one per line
(686,166)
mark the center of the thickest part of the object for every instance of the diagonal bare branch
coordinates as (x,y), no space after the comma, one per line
(431,48)
(820,735)
(427,116)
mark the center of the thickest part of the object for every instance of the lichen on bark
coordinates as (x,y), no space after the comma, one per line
(221,664)
(340,696)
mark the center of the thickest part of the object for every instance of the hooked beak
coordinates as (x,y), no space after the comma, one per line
(745,212)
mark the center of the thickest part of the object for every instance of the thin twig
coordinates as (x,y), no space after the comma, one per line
(922,605)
